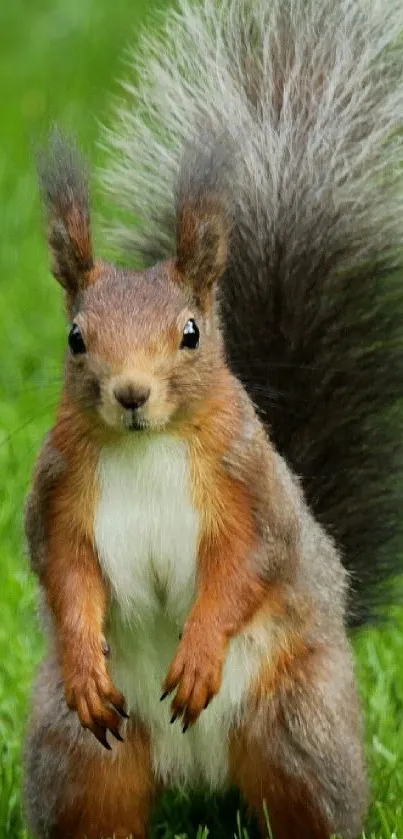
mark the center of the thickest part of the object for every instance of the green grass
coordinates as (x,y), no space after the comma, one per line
(58,61)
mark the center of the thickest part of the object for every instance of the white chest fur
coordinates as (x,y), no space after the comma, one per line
(146,532)
(146,527)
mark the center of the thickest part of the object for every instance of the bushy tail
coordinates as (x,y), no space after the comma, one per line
(309,93)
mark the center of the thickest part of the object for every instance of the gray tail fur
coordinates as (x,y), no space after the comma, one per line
(309,94)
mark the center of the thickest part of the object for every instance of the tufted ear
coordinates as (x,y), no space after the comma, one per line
(202,247)
(204,220)
(64,184)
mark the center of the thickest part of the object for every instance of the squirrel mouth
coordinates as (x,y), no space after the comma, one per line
(136,424)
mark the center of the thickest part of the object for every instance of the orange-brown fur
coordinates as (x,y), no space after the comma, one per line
(230,589)
(293,793)
(290,804)
(75,591)
(110,794)
(292,657)
(123,787)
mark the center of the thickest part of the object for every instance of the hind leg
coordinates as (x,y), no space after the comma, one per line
(300,751)
(74,788)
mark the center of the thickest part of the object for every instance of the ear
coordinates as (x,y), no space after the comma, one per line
(202,247)
(204,218)
(64,183)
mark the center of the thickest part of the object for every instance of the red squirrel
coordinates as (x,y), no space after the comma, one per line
(216,501)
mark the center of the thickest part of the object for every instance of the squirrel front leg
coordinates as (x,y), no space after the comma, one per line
(77,597)
(231,591)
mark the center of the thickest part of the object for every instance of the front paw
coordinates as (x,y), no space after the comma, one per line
(90,692)
(196,672)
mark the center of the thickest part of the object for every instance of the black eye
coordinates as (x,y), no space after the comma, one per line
(191,334)
(76,342)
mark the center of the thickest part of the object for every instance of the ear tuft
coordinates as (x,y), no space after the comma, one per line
(64,184)
(204,218)
(203,245)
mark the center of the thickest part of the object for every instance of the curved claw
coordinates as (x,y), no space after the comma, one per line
(100,734)
(121,711)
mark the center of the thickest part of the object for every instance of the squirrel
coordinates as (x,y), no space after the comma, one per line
(218,500)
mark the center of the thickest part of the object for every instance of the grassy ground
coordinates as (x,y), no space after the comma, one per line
(58,60)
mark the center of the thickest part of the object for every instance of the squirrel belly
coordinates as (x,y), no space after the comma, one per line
(146,533)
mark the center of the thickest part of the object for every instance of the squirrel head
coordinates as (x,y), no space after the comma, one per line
(145,348)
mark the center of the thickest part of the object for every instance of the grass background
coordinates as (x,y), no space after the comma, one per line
(59,60)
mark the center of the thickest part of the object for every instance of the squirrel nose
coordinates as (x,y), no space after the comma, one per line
(130,397)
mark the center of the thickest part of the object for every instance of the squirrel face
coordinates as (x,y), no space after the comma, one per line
(144,348)
(141,353)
